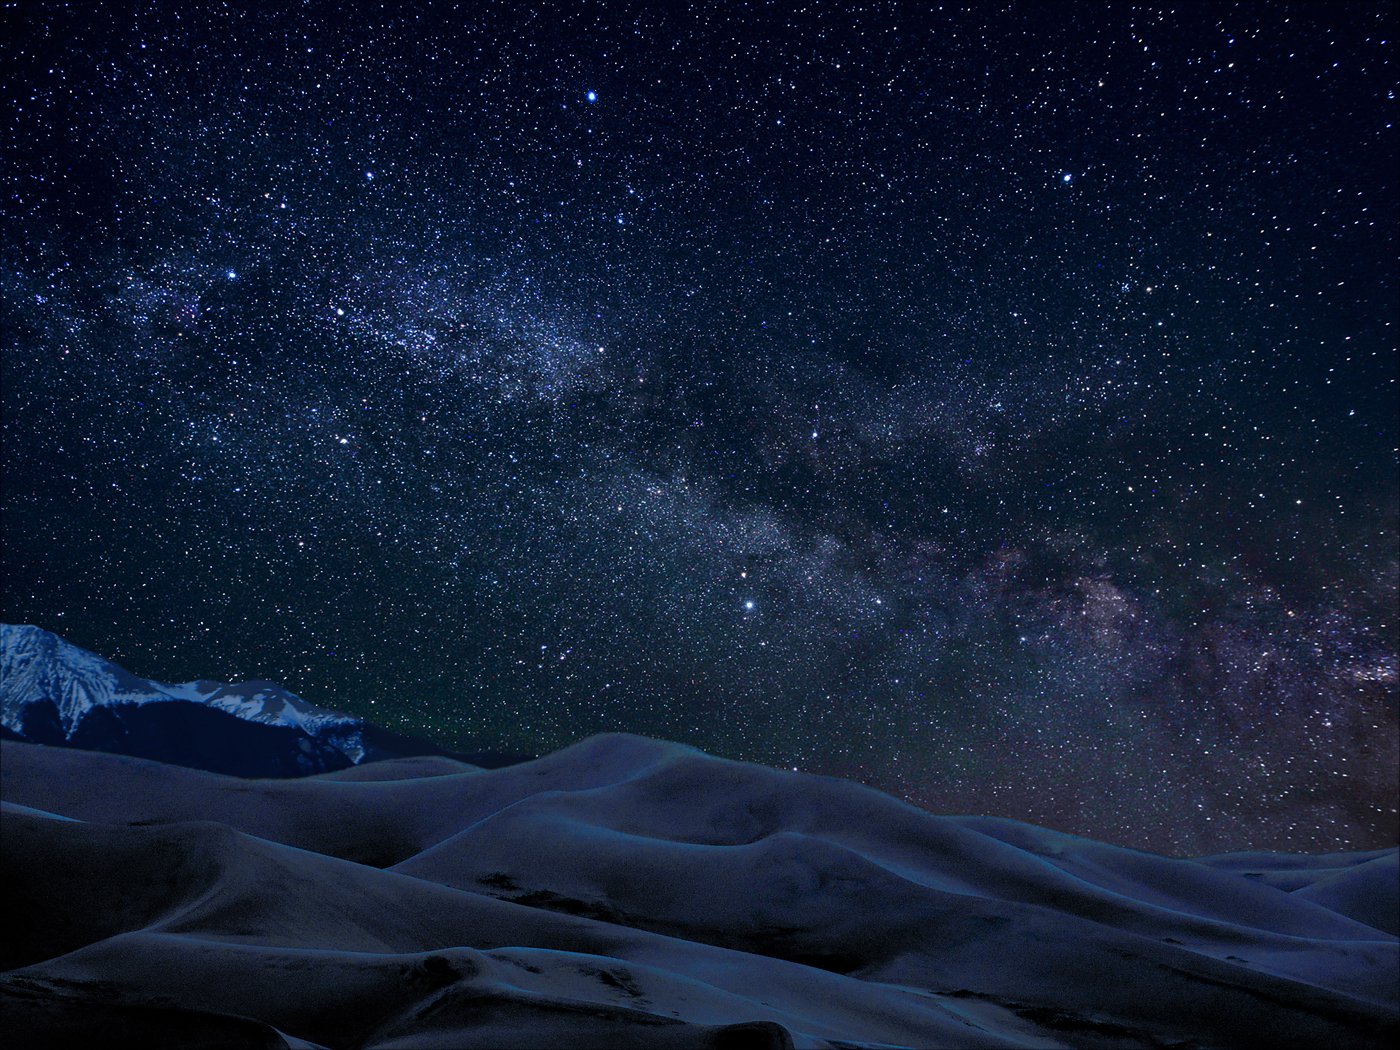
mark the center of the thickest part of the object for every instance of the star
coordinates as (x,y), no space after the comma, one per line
(561,365)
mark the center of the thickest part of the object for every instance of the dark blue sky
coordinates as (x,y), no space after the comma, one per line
(995,405)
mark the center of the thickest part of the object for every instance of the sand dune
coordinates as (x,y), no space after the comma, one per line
(630,892)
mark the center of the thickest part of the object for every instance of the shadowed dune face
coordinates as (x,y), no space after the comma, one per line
(153,873)
(629,892)
(38,1015)
(1368,893)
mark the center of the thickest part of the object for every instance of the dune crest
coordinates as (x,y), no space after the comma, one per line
(630,892)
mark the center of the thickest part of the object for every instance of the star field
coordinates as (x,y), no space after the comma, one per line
(996,405)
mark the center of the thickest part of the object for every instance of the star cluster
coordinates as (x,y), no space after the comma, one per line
(996,405)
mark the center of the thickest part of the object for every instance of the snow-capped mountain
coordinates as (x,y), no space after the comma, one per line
(53,692)
(37,665)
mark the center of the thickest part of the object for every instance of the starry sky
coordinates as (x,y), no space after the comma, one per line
(995,404)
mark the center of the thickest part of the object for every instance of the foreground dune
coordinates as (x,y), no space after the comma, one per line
(629,892)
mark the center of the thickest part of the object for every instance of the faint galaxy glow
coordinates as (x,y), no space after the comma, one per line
(903,462)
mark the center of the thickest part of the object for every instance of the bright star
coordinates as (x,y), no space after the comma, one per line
(1066,177)
(592,96)
(232,275)
(749,605)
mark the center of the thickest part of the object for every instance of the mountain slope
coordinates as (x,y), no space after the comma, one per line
(53,692)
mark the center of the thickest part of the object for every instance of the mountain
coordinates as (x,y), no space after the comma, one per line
(626,892)
(52,692)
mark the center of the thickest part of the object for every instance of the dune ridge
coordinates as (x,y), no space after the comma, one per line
(632,892)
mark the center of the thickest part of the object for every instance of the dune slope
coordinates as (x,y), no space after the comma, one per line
(630,892)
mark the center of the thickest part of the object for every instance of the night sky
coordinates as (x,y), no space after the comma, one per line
(997,406)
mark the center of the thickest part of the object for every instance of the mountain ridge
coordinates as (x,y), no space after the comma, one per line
(56,693)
